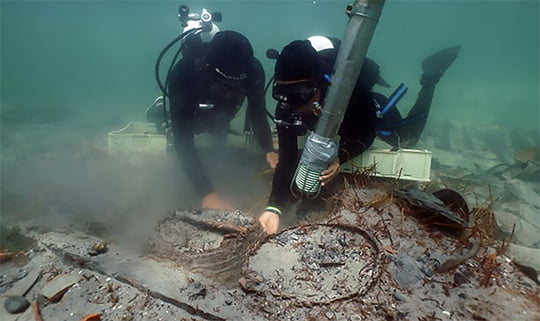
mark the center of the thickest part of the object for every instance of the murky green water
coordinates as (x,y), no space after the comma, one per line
(71,71)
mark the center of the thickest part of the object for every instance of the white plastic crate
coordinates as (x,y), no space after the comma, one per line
(407,164)
(137,137)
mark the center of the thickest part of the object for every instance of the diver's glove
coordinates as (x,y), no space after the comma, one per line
(435,65)
(214,201)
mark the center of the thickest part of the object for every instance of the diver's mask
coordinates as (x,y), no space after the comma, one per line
(295,94)
(221,83)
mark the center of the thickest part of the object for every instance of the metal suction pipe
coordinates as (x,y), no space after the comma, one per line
(364,15)
(321,145)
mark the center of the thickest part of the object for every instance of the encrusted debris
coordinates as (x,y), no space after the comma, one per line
(314,264)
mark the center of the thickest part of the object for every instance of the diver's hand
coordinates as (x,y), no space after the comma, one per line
(272,158)
(213,201)
(269,222)
(330,172)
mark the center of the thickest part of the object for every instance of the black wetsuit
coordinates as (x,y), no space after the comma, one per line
(189,86)
(359,128)
(357,133)
(404,132)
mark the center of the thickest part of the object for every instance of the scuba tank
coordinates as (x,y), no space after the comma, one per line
(198,28)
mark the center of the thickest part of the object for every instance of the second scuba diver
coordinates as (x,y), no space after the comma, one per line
(207,88)
(302,76)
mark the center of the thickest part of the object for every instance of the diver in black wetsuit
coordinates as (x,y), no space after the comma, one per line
(207,88)
(302,76)
(301,80)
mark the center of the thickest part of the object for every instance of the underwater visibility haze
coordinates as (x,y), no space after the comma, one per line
(72,71)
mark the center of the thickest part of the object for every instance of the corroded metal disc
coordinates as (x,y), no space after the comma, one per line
(314,264)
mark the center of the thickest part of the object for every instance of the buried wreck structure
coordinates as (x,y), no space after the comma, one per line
(377,251)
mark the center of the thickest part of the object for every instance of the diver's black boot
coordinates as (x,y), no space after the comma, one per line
(435,65)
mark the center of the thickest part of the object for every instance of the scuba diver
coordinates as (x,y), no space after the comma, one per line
(301,80)
(206,89)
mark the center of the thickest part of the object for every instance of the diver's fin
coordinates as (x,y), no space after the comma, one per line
(435,65)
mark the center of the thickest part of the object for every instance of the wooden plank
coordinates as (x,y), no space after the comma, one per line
(24,285)
(59,285)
